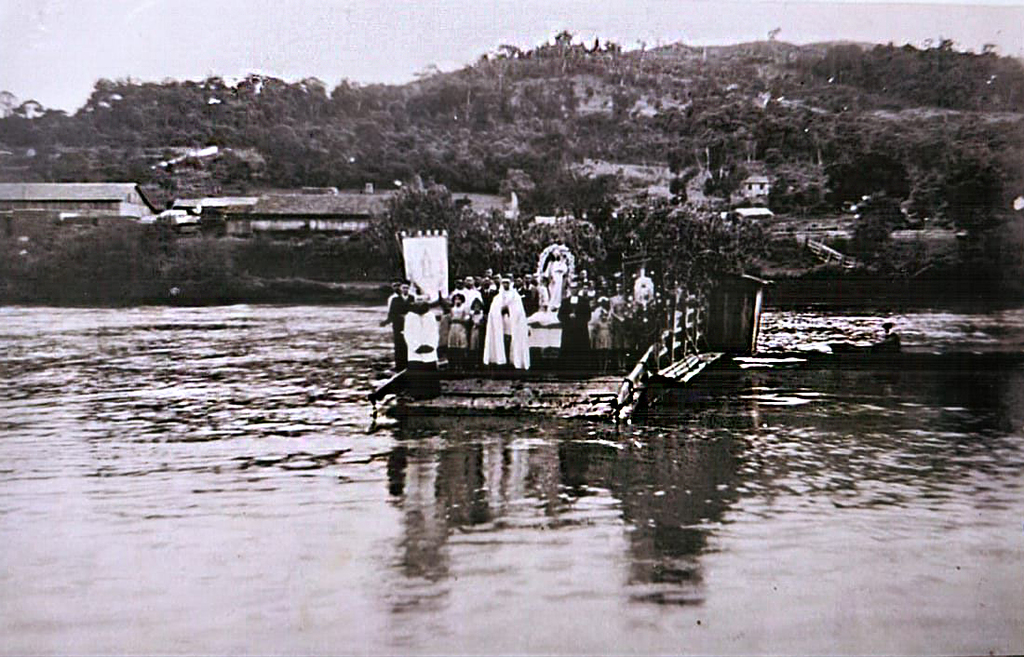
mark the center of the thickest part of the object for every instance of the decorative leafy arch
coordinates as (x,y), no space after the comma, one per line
(551,249)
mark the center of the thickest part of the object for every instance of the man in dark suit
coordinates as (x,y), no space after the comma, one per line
(574,316)
(488,290)
(398,306)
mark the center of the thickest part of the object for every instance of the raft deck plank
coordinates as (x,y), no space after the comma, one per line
(525,393)
(514,392)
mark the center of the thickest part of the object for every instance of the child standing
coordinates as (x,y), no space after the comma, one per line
(601,332)
(476,326)
(458,340)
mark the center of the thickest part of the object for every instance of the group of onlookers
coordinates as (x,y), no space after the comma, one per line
(484,321)
(604,327)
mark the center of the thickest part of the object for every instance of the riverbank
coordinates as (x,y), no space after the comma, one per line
(839,289)
(250,290)
(283,291)
(839,292)
(137,265)
(140,265)
(843,290)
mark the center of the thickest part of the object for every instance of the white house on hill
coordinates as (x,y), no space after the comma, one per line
(756,186)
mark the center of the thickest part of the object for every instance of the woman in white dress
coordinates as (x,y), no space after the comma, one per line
(556,270)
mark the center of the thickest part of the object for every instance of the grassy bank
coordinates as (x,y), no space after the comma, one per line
(135,264)
(139,265)
(978,269)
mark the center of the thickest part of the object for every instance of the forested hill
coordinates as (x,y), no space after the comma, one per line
(827,122)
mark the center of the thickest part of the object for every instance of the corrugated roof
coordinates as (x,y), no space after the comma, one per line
(756,179)
(319,204)
(66,191)
(215,201)
(754,212)
(107,191)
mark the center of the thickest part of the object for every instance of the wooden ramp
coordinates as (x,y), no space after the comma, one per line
(513,393)
(682,371)
(646,384)
(827,254)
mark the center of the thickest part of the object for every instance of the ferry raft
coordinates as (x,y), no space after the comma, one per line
(695,333)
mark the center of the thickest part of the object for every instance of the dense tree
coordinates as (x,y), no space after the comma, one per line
(973,194)
(694,247)
(867,174)
(583,197)
(896,119)
(877,217)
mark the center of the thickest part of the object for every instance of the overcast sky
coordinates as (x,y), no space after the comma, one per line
(54,50)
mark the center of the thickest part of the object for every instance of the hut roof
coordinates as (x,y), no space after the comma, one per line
(108,191)
(319,204)
(755,213)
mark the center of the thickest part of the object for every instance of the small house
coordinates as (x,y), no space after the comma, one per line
(756,186)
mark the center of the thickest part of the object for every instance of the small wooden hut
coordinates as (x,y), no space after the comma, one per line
(734,314)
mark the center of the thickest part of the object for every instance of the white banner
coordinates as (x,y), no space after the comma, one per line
(426,262)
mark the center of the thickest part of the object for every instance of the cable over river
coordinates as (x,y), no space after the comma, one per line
(202,480)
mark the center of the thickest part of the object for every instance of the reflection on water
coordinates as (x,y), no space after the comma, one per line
(663,495)
(930,331)
(202,480)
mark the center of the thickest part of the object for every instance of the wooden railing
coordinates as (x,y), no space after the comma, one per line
(627,389)
(682,338)
(827,254)
(684,334)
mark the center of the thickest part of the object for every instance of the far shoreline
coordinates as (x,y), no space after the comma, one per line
(838,292)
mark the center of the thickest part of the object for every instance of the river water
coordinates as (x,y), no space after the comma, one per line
(203,480)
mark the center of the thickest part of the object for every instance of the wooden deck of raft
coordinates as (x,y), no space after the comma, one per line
(485,395)
(517,393)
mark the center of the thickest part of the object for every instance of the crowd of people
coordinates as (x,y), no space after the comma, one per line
(486,321)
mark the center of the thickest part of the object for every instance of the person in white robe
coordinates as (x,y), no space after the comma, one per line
(507,318)
(470,292)
(556,271)
(421,331)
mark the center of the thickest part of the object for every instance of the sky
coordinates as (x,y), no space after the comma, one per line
(53,51)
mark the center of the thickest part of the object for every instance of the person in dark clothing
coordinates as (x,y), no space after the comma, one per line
(891,343)
(574,315)
(529,293)
(488,290)
(398,306)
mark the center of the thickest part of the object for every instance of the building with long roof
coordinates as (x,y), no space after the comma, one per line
(122,199)
(337,213)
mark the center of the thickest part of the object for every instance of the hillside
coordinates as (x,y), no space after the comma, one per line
(828,122)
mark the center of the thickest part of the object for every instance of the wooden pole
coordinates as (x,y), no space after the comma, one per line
(688,325)
(672,352)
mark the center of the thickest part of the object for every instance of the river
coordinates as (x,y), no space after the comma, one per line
(203,480)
